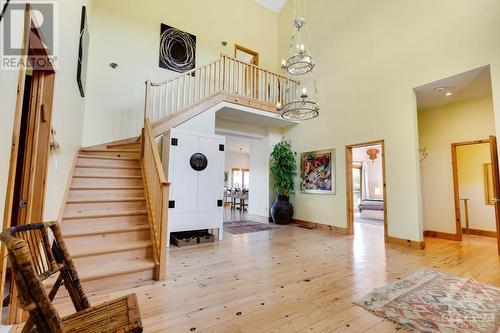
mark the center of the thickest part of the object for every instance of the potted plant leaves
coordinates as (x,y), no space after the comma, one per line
(283,170)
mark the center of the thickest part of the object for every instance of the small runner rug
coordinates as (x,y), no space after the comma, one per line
(245,227)
(432,301)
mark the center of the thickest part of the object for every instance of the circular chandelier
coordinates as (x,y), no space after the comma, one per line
(300,62)
(301,109)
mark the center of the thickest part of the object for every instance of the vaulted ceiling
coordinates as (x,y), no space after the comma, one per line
(273,5)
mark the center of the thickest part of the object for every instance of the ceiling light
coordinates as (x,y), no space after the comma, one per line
(303,105)
(439,89)
(449,93)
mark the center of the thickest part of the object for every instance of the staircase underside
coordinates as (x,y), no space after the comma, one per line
(175,119)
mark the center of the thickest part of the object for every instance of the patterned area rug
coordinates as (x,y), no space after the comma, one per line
(432,301)
(245,227)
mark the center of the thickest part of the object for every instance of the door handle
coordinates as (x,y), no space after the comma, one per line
(23,203)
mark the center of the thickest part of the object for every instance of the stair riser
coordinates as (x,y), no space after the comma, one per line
(83,225)
(107,163)
(119,282)
(115,283)
(96,242)
(122,153)
(96,172)
(106,208)
(97,195)
(104,183)
(100,250)
(106,259)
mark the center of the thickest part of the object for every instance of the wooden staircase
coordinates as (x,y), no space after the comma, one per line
(114,219)
(105,219)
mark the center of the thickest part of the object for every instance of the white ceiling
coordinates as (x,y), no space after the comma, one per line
(236,144)
(465,86)
(273,5)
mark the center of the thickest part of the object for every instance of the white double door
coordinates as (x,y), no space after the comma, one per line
(196,197)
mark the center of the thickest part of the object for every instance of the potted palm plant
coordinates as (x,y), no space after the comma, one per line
(283,169)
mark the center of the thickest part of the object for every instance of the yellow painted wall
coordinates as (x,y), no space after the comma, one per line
(370,55)
(470,161)
(439,128)
(128,32)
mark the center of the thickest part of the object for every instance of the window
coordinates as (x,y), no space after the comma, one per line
(240,178)
(357,185)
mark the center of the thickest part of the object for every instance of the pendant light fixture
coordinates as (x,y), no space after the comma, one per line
(300,63)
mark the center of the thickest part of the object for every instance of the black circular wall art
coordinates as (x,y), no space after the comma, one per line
(177,49)
(198,162)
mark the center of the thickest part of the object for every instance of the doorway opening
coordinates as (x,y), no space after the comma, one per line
(458,112)
(473,188)
(236,178)
(247,55)
(366,190)
(25,195)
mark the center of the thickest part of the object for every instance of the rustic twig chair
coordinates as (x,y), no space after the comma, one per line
(34,260)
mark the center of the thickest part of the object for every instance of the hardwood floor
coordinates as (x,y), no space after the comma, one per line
(294,279)
(235,214)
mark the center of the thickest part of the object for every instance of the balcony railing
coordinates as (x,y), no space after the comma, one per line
(223,75)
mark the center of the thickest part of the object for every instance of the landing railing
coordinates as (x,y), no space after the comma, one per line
(156,191)
(226,75)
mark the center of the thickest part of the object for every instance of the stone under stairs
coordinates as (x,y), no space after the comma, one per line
(105,219)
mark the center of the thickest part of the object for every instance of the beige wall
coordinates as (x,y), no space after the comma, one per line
(470,162)
(67,116)
(127,32)
(370,55)
(439,128)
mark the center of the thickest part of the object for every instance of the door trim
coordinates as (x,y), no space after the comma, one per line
(42,93)
(247,50)
(496,185)
(349,185)
(456,189)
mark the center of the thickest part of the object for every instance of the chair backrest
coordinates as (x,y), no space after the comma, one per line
(32,260)
(37,241)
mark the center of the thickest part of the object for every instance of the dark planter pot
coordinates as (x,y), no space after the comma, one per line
(282,210)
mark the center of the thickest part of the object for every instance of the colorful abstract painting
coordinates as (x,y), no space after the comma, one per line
(317,172)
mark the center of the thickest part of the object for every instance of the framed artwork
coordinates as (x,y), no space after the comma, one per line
(317,172)
(83,50)
(489,196)
(177,49)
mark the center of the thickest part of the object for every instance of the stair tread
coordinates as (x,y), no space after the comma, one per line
(104,157)
(73,232)
(85,251)
(106,177)
(108,167)
(100,272)
(113,150)
(108,214)
(111,187)
(104,200)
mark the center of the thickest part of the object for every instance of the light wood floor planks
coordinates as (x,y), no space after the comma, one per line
(294,279)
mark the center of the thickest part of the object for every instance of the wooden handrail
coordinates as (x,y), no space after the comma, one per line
(223,75)
(156,191)
(189,72)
